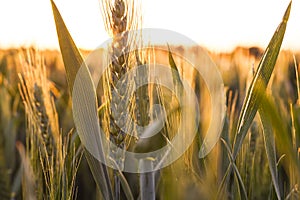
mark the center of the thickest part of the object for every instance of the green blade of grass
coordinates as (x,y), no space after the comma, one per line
(72,62)
(259,83)
(283,143)
(221,187)
(237,173)
(269,142)
(72,58)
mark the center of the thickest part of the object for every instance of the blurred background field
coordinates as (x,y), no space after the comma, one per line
(237,69)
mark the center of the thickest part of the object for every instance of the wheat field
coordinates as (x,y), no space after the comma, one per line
(42,149)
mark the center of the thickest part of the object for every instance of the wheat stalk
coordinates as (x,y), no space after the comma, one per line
(47,148)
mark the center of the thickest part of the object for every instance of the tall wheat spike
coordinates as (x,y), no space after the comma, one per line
(41,138)
(34,89)
(120,17)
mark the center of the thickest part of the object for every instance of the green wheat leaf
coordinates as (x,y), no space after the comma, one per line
(269,142)
(237,173)
(72,58)
(72,62)
(283,144)
(259,83)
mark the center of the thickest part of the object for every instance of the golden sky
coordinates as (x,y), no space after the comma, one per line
(216,24)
